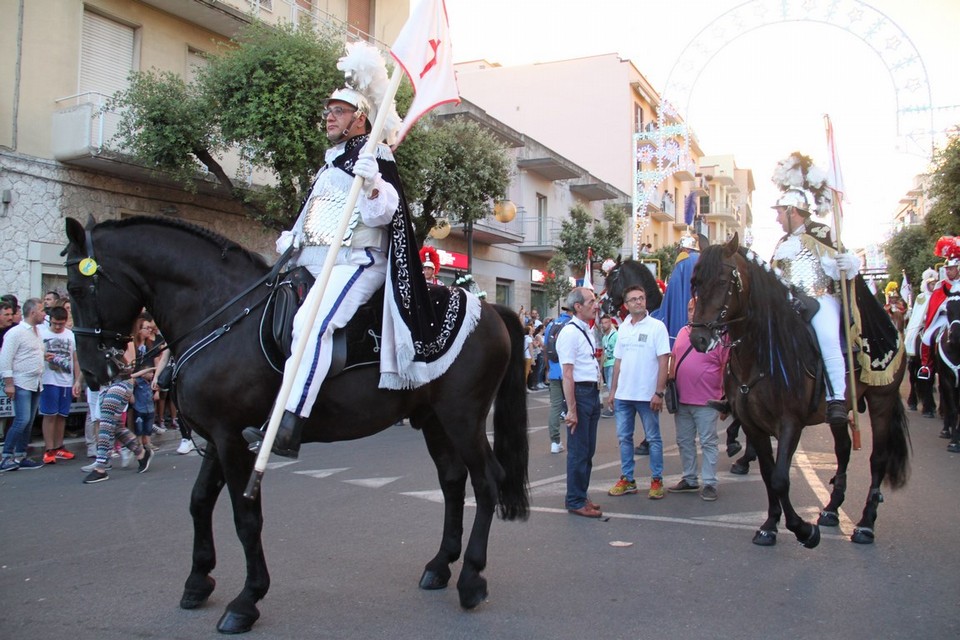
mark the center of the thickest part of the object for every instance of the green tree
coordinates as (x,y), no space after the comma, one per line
(944,215)
(457,170)
(556,285)
(582,231)
(909,251)
(264,95)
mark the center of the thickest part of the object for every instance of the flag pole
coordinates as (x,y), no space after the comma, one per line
(316,296)
(845,298)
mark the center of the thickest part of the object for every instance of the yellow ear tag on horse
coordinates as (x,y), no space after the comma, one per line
(88,266)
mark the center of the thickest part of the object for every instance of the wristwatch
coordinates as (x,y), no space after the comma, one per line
(659,394)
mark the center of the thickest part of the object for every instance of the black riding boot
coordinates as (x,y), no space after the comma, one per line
(287,442)
(837,412)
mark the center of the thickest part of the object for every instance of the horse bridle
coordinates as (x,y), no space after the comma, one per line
(97,331)
(719,327)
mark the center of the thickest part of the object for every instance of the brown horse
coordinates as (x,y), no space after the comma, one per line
(179,272)
(743,302)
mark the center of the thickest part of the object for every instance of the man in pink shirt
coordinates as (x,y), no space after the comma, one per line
(699,379)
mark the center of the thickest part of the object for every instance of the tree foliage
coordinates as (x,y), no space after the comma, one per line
(944,216)
(910,251)
(581,232)
(264,95)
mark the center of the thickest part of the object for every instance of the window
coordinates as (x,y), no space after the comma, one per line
(106,55)
(360,17)
(196,60)
(638,117)
(542,219)
(505,292)
(704,204)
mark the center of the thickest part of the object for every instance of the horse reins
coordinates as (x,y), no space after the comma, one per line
(719,327)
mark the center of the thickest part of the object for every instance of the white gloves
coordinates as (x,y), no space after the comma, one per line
(286,240)
(366,167)
(846,262)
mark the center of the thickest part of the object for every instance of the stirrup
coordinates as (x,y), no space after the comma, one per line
(923,373)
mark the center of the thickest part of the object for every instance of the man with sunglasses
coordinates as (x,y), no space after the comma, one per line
(361,264)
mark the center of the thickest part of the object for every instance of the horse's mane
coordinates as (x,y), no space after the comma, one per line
(776,337)
(222,243)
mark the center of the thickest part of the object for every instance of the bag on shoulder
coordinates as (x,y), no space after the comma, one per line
(671,396)
(550,338)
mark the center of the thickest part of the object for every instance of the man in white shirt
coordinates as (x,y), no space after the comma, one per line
(21,366)
(581,391)
(642,355)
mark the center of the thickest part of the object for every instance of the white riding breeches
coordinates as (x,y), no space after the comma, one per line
(826,324)
(354,279)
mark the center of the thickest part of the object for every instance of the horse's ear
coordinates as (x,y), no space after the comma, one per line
(731,247)
(75,232)
(619,258)
(703,241)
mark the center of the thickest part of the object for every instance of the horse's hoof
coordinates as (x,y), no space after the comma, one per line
(828,519)
(733,448)
(432,580)
(765,538)
(953,447)
(813,539)
(740,469)
(862,535)
(194,597)
(473,595)
(233,622)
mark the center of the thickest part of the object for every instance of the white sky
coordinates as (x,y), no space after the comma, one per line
(762,97)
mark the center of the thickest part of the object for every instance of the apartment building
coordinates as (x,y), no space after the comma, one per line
(510,249)
(589,109)
(59,62)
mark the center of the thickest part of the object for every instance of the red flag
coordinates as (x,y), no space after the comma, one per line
(834,175)
(424,53)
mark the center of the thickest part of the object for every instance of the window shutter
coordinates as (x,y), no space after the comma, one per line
(106,55)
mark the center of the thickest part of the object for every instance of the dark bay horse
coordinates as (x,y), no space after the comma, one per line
(741,300)
(625,274)
(948,372)
(180,273)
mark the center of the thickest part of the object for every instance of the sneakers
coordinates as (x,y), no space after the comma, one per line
(87,468)
(642,449)
(684,487)
(186,446)
(95,477)
(49,457)
(144,463)
(623,487)
(606,413)
(708,493)
(555,447)
(27,463)
(158,430)
(63,454)
(8,464)
(126,457)
(656,489)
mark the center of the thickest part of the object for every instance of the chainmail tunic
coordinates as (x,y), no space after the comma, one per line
(805,272)
(324,213)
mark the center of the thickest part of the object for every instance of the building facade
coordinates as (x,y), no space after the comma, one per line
(60,60)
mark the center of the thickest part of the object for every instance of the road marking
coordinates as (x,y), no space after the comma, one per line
(373,483)
(322,473)
(821,490)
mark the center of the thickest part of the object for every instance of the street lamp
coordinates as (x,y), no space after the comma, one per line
(504,211)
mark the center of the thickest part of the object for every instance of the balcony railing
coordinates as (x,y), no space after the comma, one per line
(84,133)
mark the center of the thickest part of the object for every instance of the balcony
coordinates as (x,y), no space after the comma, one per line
(727,215)
(489,231)
(596,191)
(550,168)
(82,135)
(540,236)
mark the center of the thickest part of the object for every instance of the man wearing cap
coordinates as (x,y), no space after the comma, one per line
(361,264)
(811,263)
(429,258)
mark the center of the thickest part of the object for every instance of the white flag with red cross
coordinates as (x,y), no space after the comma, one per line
(424,53)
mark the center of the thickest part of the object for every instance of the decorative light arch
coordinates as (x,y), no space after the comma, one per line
(656,147)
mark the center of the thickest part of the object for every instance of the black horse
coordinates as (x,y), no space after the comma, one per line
(625,274)
(948,372)
(742,301)
(180,272)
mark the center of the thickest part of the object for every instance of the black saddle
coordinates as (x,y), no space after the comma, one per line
(355,345)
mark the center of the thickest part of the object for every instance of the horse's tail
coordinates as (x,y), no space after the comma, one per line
(510,426)
(897,447)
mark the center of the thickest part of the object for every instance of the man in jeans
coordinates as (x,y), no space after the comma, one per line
(581,390)
(21,366)
(642,355)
